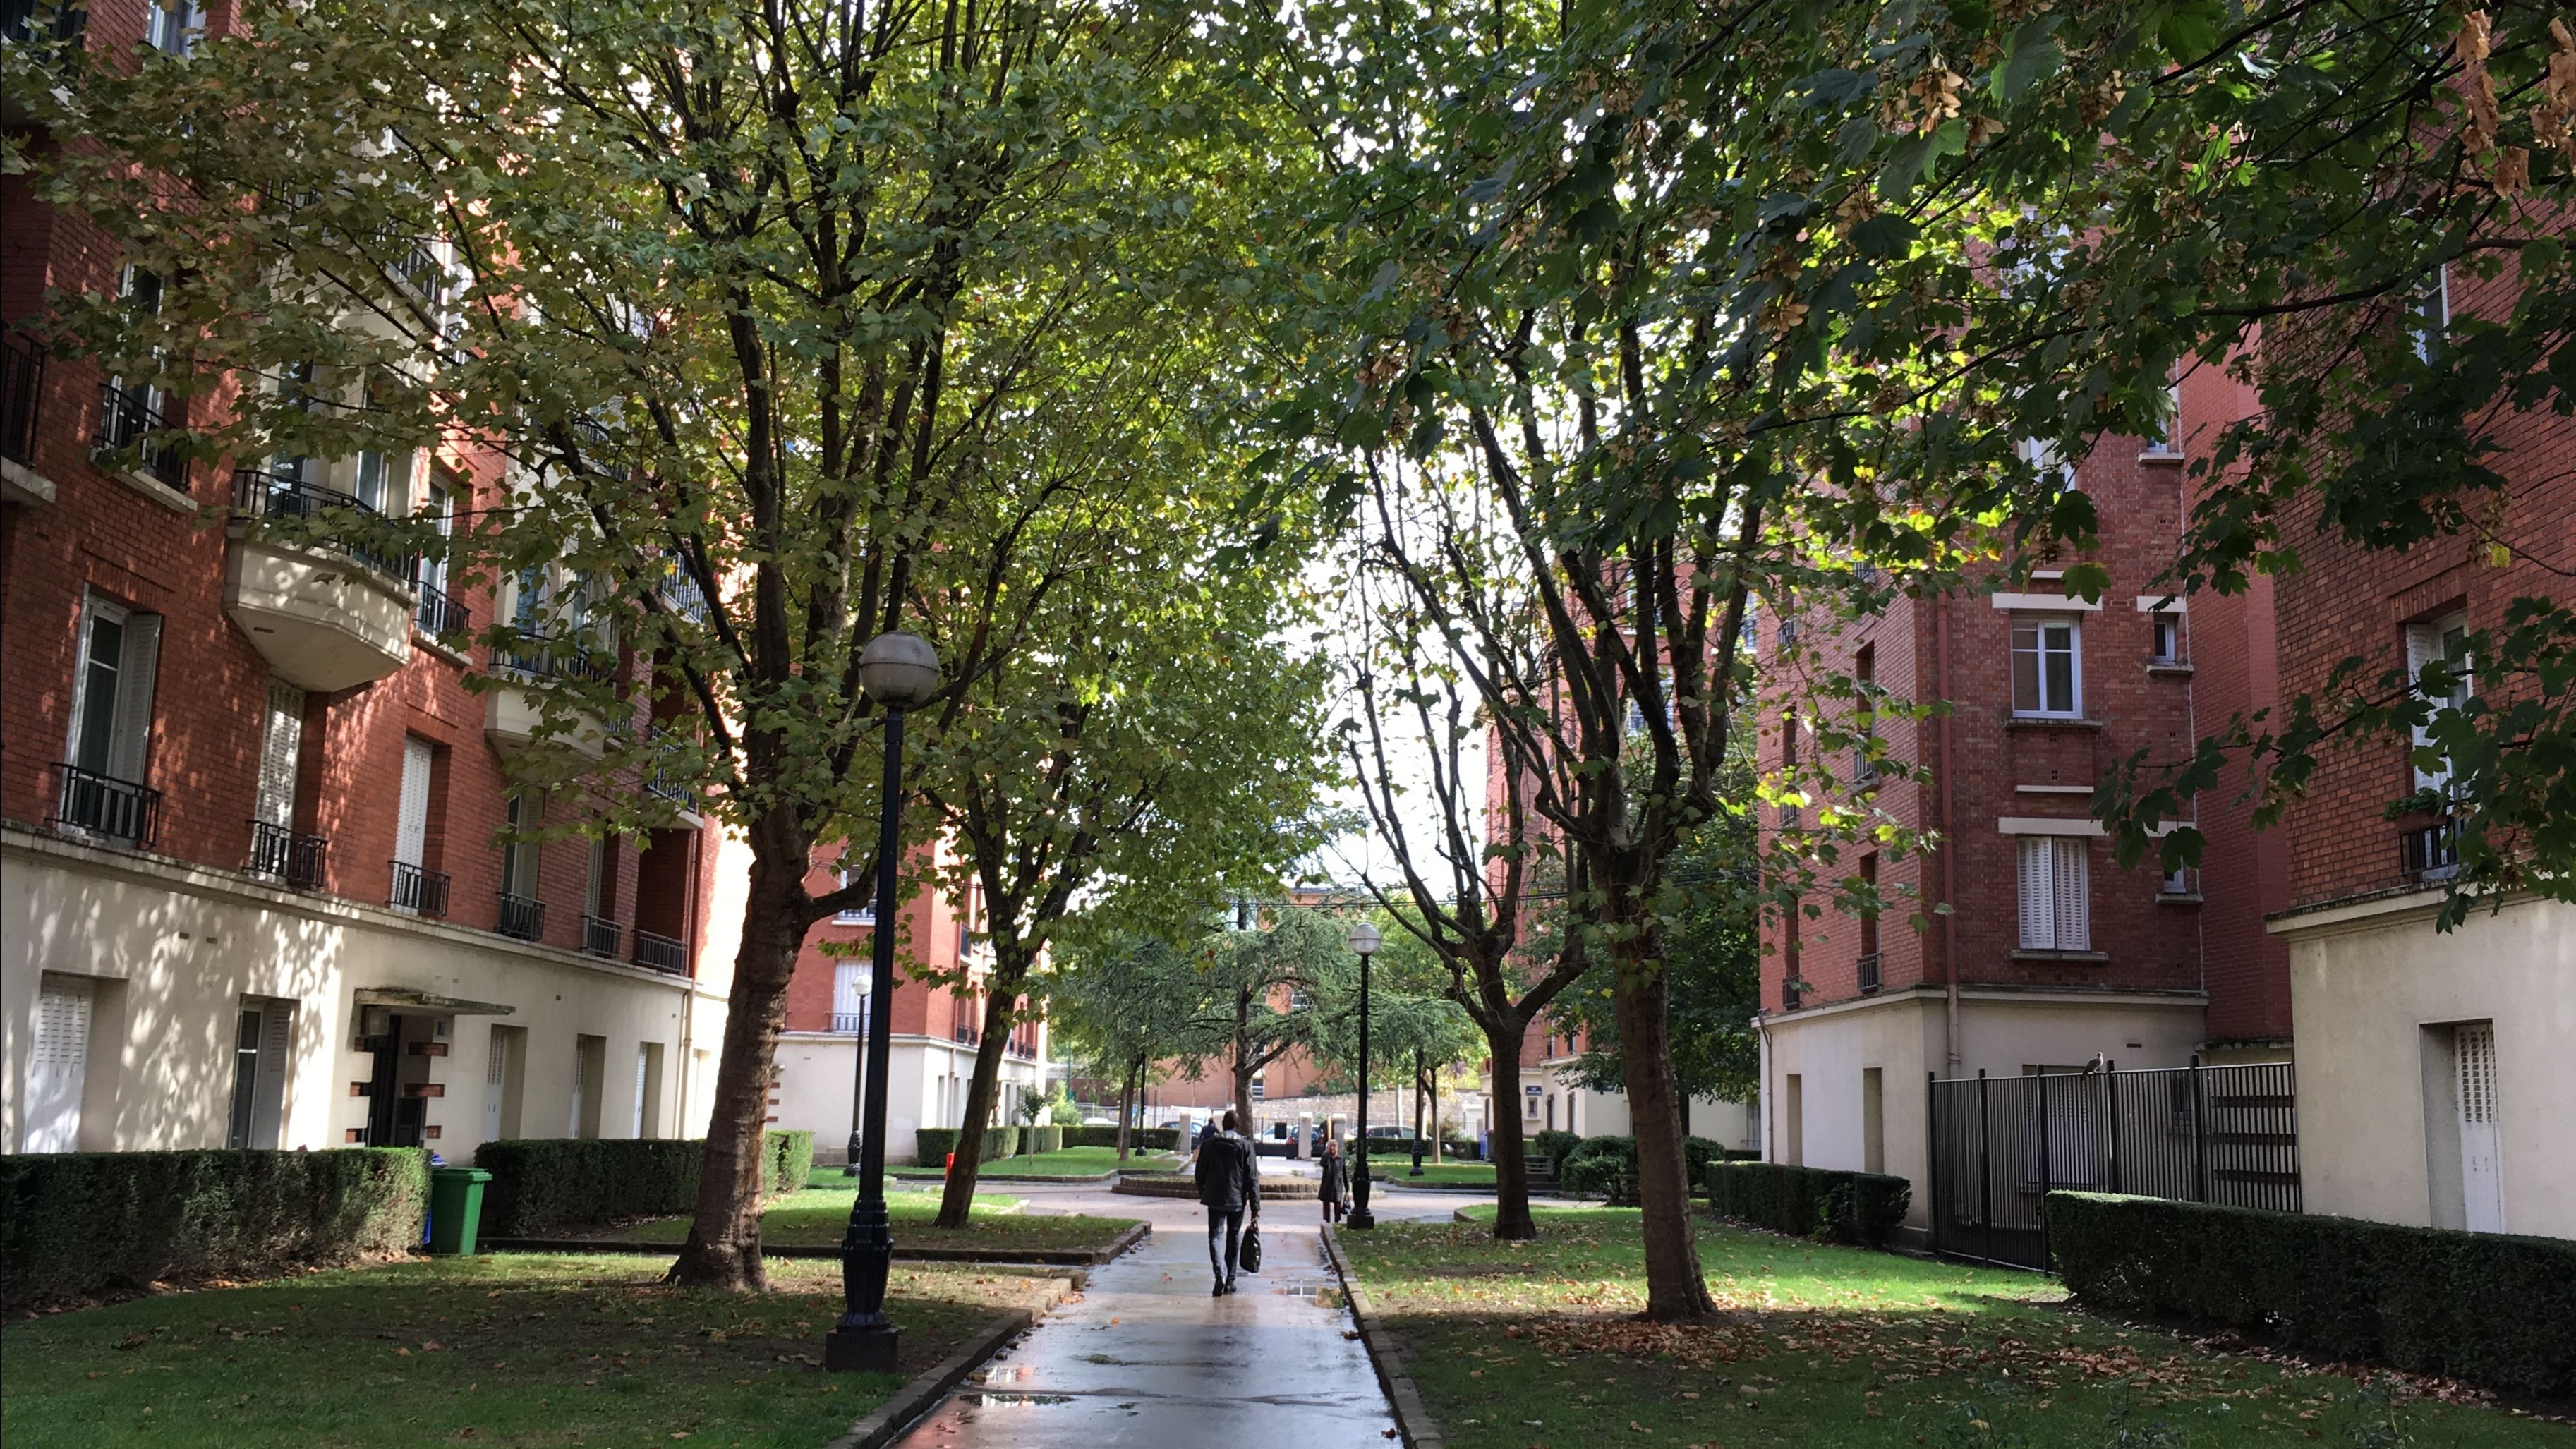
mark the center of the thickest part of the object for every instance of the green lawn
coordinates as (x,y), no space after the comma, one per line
(1398,1171)
(509,1350)
(1528,1344)
(1071,1162)
(817,1216)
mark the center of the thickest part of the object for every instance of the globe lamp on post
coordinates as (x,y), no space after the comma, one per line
(1364,942)
(899,672)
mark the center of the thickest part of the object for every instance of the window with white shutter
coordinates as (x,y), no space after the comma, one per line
(2481,1173)
(2048,665)
(411,816)
(849,995)
(2056,893)
(281,745)
(58,1067)
(2445,640)
(112,690)
(643,1059)
(263,1036)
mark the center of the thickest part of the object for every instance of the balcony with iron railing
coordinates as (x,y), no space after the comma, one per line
(322,625)
(661,953)
(1869,973)
(129,417)
(65,20)
(418,891)
(279,853)
(102,805)
(600,936)
(514,712)
(439,616)
(521,917)
(2430,853)
(850,1023)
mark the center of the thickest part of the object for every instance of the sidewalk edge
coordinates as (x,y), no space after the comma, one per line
(925,1390)
(1419,1429)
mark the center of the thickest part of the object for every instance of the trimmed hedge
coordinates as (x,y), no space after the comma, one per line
(1553,1144)
(2494,1309)
(1139,1139)
(550,1184)
(1042,1139)
(1809,1202)
(935,1143)
(1599,1167)
(76,1223)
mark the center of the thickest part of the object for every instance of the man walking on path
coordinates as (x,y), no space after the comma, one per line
(1229,1177)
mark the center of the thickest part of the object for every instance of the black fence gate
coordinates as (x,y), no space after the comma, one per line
(2203,1134)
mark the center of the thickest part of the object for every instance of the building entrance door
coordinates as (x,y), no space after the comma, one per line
(2481,1174)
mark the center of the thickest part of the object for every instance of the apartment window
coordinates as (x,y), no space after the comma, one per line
(2041,455)
(1869,912)
(524,813)
(58,1067)
(1864,719)
(262,1037)
(411,831)
(850,996)
(648,1089)
(1260,1087)
(383,481)
(856,915)
(438,613)
(171,27)
(2047,666)
(2428,316)
(2438,641)
(111,728)
(2056,893)
(2177,881)
(281,748)
(2165,441)
(504,1069)
(2165,636)
(589,1083)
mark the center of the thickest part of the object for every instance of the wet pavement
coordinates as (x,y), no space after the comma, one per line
(1148,1358)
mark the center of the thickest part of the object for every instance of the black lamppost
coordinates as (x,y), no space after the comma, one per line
(1364,942)
(899,671)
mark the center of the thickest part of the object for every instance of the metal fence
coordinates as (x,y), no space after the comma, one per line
(2202,1134)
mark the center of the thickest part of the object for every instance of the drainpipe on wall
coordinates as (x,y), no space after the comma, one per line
(1949,835)
(1770,1098)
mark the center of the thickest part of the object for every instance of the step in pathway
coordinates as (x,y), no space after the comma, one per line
(1148,1359)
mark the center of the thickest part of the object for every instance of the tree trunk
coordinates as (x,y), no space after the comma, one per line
(723,1247)
(1127,1106)
(1675,1288)
(1512,1221)
(957,1200)
(1242,1094)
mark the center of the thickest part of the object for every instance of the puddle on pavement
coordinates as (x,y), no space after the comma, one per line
(1017,1401)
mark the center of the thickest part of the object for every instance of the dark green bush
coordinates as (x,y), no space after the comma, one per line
(76,1223)
(561,1184)
(1044,1139)
(1139,1139)
(1813,1202)
(1599,1167)
(2496,1310)
(935,1143)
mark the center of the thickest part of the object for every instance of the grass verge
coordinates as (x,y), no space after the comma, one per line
(1071,1162)
(816,1217)
(1532,1344)
(509,1350)
(1398,1172)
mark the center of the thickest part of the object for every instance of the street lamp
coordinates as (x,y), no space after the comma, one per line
(899,671)
(1364,943)
(1417,1112)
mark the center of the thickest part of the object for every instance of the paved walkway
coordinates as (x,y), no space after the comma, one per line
(1149,1359)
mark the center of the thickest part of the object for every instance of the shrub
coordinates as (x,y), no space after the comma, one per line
(1846,1207)
(1045,1139)
(935,1143)
(1139,1139)
(75,1223)
(2496,1310)
(554,1184)
(1599,1167)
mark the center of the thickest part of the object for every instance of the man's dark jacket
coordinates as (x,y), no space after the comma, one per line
(1229,1175)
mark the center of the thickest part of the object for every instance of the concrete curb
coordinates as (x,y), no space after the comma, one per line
(915,1398)
(1413,1421)
(1035,1179)
(1042,1257)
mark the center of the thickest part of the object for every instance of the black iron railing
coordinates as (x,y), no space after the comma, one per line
(277,852)
(853,1023)
(281,492)
(420,891)
(2431,852)
(440,616)
(22,387)
(1789,992)
(599,936)
(2000,1145)
(127,422)
(543,657)
(661,953)
(106,805)
(1869,973)
(523,917)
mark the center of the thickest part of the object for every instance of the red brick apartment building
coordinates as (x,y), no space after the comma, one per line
(2429,1066)
(253,891)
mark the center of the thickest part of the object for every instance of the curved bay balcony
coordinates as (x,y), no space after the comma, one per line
(514,712)
(327,614)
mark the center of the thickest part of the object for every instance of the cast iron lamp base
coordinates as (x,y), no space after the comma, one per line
(863,1351)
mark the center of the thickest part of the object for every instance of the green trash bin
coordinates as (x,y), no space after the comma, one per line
(455,1207)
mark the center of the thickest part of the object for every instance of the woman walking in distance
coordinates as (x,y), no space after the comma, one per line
(1229,1177)
(1336,1188)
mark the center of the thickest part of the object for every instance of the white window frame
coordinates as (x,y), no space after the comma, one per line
(171,27)
(2442,637)
(129,707)
(2428,314)
(2042,622)
(2054,888)
(2164,633)
(2041,455)
(865,915)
